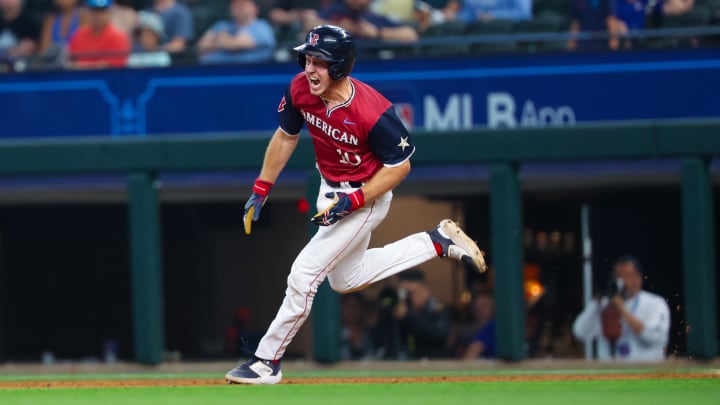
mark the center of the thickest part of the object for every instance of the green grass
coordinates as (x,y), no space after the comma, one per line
(610,392)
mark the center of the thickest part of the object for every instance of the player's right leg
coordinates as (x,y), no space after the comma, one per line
(255,371)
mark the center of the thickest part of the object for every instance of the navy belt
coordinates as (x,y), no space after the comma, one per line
(343,184)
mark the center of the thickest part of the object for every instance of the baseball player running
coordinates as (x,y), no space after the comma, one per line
(362,152)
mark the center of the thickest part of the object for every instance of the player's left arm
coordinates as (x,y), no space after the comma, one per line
(343,204)
(386,179)
(391,142)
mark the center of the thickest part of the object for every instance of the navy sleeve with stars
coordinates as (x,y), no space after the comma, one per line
(390,140)
(291,121)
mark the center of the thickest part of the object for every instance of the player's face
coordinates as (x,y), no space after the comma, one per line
(316,71)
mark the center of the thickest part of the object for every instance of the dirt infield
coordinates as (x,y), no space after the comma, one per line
(189,382)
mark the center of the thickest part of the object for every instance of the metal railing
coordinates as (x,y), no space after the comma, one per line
(452,44)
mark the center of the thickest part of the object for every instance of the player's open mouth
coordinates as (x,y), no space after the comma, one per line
(315,84)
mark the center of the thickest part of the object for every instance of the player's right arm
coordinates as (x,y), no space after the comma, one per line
(284,140)
(277,154)
(281,147)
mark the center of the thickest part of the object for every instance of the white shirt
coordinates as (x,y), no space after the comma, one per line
(149,59)
(649,345)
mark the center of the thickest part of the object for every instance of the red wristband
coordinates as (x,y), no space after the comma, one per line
(357,198)
(262,187)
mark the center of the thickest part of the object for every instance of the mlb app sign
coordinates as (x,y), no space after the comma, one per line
(502,110)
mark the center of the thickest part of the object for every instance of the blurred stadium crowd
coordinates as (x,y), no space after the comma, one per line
(61,34)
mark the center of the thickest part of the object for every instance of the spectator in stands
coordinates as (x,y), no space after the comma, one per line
(412,323)
(483,342)
(124,16)
(591,16)
(246,39)
(631,15)
(19,33)
(486,10)
(147,37)
(296,16)
(356,17)
(433,12)
(178,22)
(356,341)
(402,11)
(100,43)
(60,25)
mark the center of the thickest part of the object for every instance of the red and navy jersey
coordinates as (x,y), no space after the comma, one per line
(353,140)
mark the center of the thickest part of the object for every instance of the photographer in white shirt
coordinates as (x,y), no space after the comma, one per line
(629,323)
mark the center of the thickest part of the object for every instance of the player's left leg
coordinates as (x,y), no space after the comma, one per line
(362,268)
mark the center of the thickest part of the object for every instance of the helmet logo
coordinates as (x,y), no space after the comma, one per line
(313,40)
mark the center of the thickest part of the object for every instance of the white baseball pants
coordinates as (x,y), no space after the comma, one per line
(340,253)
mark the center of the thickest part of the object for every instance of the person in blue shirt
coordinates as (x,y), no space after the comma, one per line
(245,39)
(485,10)
(631,15)
(483,342)
(590,16)
(59,25)
(178,23)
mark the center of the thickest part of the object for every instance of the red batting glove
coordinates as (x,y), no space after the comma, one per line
(257,200)
(343,205)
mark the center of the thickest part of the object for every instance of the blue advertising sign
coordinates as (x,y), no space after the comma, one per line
(458,93)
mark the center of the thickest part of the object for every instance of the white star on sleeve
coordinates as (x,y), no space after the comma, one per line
(403,143)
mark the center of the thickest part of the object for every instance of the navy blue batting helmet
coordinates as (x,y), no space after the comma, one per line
(331,44)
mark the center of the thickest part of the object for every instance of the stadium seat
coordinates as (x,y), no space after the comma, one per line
(445,29)
(547,21)
(562,7)
(207,14)
(544,22)
(496,28)
(698,16)
(38,9)
(288,34)
(448,29)
(714,8)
